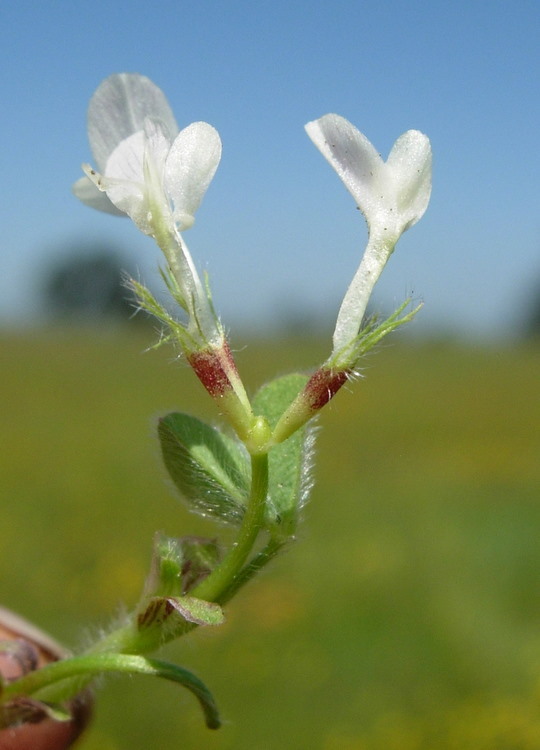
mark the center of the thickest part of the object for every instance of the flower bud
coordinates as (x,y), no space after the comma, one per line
(24,648)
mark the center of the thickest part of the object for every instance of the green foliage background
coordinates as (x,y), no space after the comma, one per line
(406,617)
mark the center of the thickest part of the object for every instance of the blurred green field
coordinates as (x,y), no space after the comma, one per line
(407,615)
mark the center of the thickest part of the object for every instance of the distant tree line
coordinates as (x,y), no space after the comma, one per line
(88,282)
(532,321)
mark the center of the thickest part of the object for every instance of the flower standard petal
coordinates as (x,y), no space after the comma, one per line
(119,107)
(190,166)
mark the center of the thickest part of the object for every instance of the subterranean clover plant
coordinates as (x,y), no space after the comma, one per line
(255,474)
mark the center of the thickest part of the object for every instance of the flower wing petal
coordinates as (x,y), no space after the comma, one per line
(129,198)
(87,192)
(409,166)
(118,109)
(124,182)
(352,156)
(127,159)
(189,169)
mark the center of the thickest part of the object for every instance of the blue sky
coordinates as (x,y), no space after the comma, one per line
(277,230)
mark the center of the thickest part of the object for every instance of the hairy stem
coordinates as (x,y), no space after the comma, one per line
(224,576)
(263,557)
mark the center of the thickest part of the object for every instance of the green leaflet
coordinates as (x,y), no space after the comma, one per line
(290,461)
(210,469)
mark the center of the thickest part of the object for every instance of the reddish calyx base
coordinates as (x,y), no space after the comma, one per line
(214,369)
(323,386)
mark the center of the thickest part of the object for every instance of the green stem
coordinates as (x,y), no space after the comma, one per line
(248,572)
(51,677)
(224,576)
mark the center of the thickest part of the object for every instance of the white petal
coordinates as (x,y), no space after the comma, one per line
(88,193)
(356,298)
(157,145)
(410,166)
(118,109)
(134,177)
(159,211)
(190,167)
(352,156)
(128,196)
(126,160)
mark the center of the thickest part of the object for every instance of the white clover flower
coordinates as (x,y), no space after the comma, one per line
(392,195)
(158,177)
(145,167)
